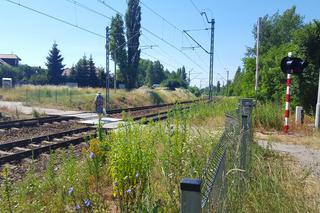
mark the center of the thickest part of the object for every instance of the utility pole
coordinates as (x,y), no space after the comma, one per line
(212,22)
(115,73)
(107,69)
(257,58)
(317,121)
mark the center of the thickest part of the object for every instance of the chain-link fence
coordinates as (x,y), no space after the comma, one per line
(231,153)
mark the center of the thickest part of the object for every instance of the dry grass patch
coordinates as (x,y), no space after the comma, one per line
(65,98)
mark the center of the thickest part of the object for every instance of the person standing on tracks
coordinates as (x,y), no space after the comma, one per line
(99,103)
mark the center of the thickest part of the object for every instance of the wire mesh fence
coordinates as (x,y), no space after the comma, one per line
(232,153)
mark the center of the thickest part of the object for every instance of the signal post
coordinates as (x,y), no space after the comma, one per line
(291,66)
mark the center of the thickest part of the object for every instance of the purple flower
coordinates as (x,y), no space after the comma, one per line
(115,183)
(70,190)
(91,155)
(77,207)
(129,191)
(87,203)
(137,175)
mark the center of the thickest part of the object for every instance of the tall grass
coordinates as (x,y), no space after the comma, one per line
(271,186)
(268,116)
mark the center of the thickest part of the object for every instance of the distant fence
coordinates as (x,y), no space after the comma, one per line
(65,96)
(208,193)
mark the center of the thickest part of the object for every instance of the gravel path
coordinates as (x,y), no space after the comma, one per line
(28,110)
(309,158)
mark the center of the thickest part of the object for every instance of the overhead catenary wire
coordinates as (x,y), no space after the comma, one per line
(164,53)
(87,8)
(110,7)
(199,11)
(173,46)
(55,18)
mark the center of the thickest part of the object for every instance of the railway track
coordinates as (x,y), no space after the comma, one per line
(15,151)
(33,122)
(134,111)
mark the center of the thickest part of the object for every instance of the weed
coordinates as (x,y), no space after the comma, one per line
(35,113)
(8,203)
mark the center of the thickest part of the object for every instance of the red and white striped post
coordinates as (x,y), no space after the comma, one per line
(286,113)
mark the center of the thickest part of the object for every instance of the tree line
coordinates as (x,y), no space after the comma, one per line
(280,34)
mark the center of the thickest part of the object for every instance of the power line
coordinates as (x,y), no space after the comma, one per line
(173,46)
(149,8)
(87,8)
(55,18)
(159,60)
(163,52)
(110,7)
(174,26)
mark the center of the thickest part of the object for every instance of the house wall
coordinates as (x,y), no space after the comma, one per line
(12,62)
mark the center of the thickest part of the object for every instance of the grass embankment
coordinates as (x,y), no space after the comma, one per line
(82,98)
(138,168)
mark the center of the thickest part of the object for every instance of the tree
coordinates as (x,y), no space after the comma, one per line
(133,25)
(218,87)
(144,70)
(55,66)
(101,77)
(82,72)
(118,46)
(93,79)
(308,40)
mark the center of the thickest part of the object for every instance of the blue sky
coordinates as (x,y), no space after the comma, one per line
(30,35)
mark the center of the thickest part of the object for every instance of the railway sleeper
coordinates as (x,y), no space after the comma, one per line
(47,142)
(20,149)
(5,153)
(58,140)
(32,145)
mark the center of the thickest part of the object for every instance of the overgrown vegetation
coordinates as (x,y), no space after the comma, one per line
(137,167)
(272,186)
(268,116)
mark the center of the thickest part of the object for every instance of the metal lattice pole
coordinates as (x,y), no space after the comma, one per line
(107,69)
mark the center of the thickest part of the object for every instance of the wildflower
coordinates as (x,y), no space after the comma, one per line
(137,175)
(70,190)
(129,191)
(91,154)
(77,207)
(87,203)
(116,183)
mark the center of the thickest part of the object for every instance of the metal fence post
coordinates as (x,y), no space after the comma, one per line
(190,195)
(39,95)
(244,138)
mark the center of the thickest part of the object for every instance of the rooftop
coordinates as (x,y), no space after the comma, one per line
(9,56)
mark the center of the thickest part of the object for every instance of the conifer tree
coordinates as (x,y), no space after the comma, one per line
(55,66)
